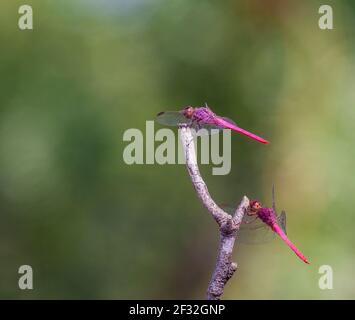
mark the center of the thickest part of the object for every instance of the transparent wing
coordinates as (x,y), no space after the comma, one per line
(281,219)
(174,118)
(171,118)
(273,198)
(227,120)
(252,230)
(261,236)
(230,121)
(206,129)
(209,128)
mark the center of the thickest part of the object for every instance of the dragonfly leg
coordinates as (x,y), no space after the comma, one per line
(198,124)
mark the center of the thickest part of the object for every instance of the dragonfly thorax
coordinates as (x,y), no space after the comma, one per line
(267,215)
(205,115)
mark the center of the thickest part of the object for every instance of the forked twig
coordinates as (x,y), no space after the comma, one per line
(228,225)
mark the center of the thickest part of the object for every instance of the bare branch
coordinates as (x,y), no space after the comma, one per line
(188,144)
(228,225)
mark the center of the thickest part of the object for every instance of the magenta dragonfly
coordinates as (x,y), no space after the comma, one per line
(202,118)
(261,224)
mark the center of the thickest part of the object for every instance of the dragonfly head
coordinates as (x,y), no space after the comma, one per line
(188,111)
(254,207)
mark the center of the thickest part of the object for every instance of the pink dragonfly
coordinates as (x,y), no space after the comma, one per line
(202,117)
(261,224)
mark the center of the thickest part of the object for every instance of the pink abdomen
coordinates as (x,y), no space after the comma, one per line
(283,236)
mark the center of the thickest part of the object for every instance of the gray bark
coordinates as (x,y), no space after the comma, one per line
(228,225)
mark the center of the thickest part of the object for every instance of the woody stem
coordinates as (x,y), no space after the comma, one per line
(228,225)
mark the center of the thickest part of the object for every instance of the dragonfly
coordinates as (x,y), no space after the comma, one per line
(261,224)
(202,118)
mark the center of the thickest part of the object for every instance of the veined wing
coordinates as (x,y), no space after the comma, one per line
(208,129)
(229,124)
(220,126)
(171,118)
(229,121)
(281,220)
(252,230)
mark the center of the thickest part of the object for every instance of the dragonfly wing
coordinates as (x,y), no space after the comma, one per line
(229,120)
(248,222)
(281,219)
(206,129)
(252,230)
(210,128)
(255,233)
(171,118)
(221,127)
(273,198)
(229,124)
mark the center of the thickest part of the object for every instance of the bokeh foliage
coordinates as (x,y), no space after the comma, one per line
(92,226)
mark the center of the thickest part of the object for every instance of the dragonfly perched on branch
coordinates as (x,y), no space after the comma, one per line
(202,118)
(261,224)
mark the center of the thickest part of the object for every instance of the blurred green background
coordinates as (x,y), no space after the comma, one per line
(92,226)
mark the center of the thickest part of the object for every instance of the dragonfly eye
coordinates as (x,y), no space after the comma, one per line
(255,205)
(188,111)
